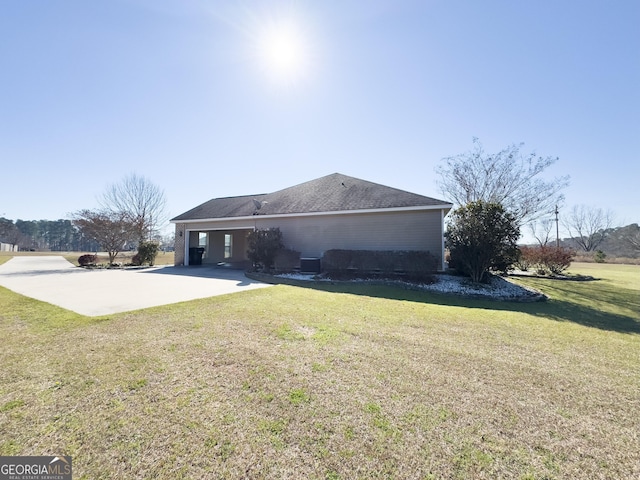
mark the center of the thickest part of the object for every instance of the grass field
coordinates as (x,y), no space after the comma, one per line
(359,382)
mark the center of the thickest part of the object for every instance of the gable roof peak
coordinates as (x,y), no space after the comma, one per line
(335,192)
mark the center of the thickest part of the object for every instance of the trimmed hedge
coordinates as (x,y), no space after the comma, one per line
(385,262)
(286,260)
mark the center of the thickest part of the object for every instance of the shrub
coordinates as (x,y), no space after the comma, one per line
(263,246)
(545,259)
(88,259)
(147,253)
(556,259)
(481,237)
(286,260)
(335,261)
(525,258)
(135,260)
(412,263)
(599,256)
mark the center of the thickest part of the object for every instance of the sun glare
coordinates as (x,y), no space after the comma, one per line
(282,42)
(284,52)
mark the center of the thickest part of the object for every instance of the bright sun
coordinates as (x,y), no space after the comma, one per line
(284,52)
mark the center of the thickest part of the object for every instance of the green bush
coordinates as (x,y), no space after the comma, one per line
(147,252)
(599,256)
(88,259)
(481,237)
(263,246)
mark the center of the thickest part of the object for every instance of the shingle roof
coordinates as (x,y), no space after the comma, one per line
(332,193)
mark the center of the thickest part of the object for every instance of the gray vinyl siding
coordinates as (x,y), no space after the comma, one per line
(313,235)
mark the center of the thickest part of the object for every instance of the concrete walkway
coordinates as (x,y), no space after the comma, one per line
(98,292)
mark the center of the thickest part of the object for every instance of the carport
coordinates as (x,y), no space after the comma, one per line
(224,246)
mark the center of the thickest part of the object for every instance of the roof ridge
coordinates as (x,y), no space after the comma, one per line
(334,192)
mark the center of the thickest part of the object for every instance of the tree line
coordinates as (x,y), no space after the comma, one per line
(55,235)
(614,241)
(129,215)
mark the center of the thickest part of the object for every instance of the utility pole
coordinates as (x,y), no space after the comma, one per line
(557,229)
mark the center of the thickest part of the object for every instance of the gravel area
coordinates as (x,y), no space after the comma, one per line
(498,288)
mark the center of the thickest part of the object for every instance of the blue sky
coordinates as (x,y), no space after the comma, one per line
(182,92)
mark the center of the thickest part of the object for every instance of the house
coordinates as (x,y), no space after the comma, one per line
(7,247)
(331,212)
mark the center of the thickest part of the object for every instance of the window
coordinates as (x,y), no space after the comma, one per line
(228,242)
(203,240)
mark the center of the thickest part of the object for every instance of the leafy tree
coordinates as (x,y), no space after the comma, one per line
(482,236)
(140,202)
(263,246)
(29,230)
(507,177)
(61,234)
(588,226)
(111,230)
(5,226)
(9,233)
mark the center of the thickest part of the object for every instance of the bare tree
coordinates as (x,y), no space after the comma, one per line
(541,230)
(508,177)
(141,202)
(632,237)
(588,226)
(112,230)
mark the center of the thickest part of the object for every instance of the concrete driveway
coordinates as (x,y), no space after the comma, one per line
(98,292)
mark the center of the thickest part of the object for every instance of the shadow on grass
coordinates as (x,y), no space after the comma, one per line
(592,304)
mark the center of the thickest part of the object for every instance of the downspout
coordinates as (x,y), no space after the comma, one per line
(442,231)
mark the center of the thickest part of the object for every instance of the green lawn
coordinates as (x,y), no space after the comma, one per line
(359,382)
